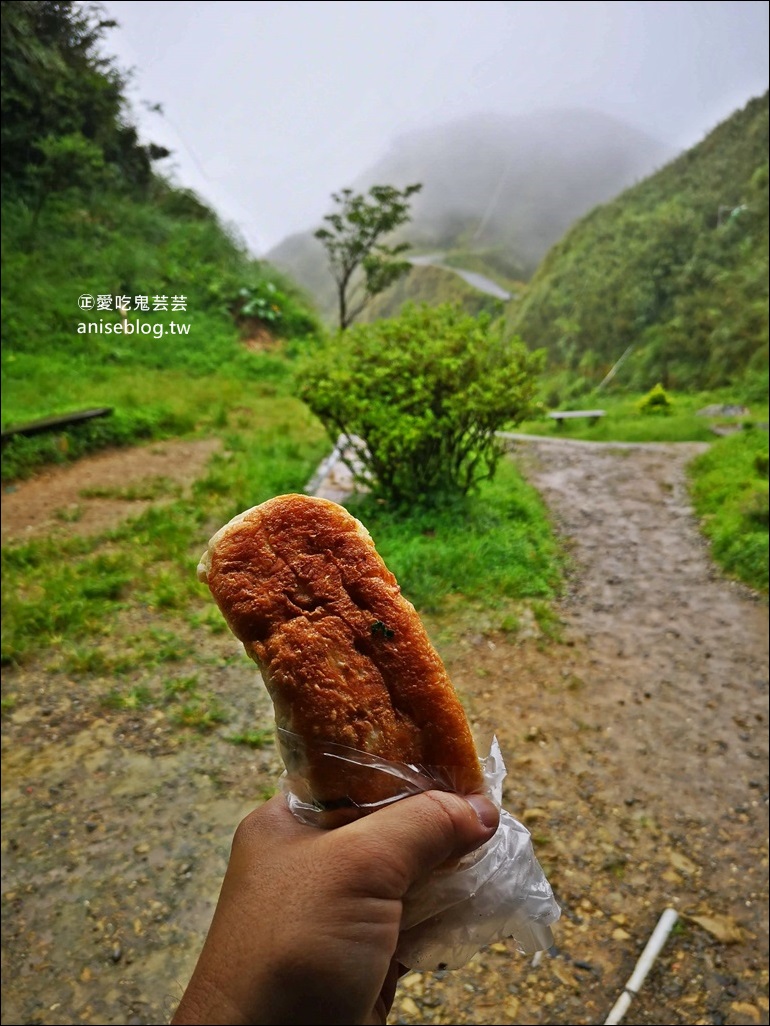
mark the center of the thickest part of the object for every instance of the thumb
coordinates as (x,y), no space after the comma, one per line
(417,834)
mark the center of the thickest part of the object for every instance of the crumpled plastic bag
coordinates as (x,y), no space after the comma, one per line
(495,892)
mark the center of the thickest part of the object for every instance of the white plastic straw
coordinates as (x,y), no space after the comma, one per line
(643,966)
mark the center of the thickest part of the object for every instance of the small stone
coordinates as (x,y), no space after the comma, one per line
(682,863)
(620,935)
(530,815)
(410,981)
(745,1010)
(409,1007)
(724,928)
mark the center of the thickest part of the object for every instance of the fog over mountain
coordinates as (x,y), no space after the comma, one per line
(507,187)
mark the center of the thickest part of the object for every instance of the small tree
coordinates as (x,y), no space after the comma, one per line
(353,242)
(420,399)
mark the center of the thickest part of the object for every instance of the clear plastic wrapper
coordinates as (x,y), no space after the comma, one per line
(495,892)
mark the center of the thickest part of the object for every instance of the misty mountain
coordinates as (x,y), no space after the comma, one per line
(499,189)
(675,268)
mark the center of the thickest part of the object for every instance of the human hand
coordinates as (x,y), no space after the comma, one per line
(307,921)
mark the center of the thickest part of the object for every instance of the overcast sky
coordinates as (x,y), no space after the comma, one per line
(271,107)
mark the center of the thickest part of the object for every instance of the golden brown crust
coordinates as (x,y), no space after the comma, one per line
(342,652)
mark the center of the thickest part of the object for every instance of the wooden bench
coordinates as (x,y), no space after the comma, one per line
(561,415)
(38,427)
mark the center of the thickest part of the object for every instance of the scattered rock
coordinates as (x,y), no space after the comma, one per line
(725,410)
(724,928)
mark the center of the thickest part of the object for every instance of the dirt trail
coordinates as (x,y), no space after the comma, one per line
(660,626)
(637,754)
(58,500)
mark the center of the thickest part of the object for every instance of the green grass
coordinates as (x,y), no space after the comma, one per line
(730,493)
(148,490)
(72,599)
(624,422)
(182,699)
(494,546)
(200,712)
(252,738)
(62,594)
(162,404)
(159,385)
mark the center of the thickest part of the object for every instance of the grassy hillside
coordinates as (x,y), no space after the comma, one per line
(433,286)
(675,267)
(86,215)
(57,358)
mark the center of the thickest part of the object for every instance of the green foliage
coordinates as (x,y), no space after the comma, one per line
(730,493)
(68,162)
(353,242)
(280,308)
(675,267)
(424,395)
(261,303)
(63,105)
(83,214)
(487,550)
(110,226)
(657,400)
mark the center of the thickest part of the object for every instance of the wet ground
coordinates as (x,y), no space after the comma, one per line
(637,754)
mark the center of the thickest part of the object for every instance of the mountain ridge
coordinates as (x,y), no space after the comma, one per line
(675,267)
(505,186)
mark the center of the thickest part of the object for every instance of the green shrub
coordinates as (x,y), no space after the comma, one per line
(421,396)
(657,400)
(276,309)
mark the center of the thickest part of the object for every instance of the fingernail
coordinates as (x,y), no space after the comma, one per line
(485,809)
